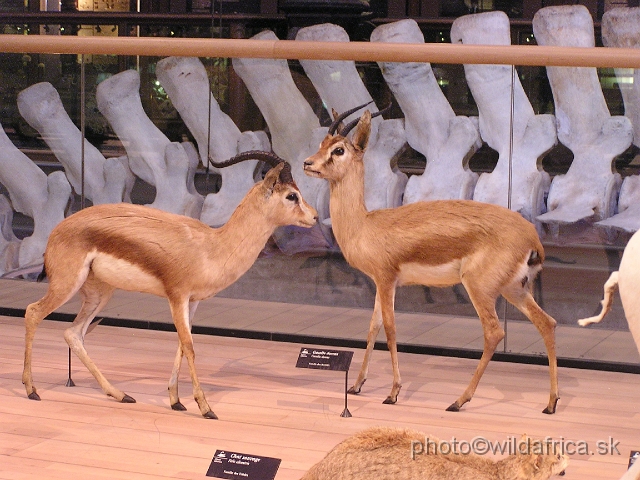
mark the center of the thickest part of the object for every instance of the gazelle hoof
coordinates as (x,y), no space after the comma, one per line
(210,415)
(390,400)
(178,406)
(551,410)
(34,396)
(356,390)
(453,407)
(127,399)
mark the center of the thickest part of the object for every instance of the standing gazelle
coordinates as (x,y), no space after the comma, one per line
(491,250)
(137,248)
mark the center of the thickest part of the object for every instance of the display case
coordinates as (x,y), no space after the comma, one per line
(488,157)
(76,113)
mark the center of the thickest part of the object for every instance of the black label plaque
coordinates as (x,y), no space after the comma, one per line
(323,359)
(234,465)
(634,457)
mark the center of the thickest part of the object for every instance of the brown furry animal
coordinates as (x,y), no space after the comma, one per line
(386,453)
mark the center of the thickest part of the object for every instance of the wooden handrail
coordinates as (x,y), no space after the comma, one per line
(358,51)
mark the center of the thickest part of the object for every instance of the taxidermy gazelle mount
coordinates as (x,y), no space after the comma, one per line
(491,250)
(138,248)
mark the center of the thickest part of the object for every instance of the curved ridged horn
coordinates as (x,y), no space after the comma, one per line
(349,126)
(268,157)
(334,125)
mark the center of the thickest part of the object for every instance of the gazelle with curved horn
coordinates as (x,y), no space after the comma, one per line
(138,248)
(268,157)
(491,250)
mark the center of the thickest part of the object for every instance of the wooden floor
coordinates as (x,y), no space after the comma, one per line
(268,407)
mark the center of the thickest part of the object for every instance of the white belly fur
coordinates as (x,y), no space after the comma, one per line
(434,275)
(124,275)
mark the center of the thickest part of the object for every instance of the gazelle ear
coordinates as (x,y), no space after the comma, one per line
(272,177)
(335,116)
(363,129)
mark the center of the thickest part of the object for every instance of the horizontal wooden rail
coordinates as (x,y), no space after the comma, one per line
(358,51)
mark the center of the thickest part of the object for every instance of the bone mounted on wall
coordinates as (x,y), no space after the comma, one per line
(431,126)
(105,181)
(292,129)
(186,82)
(520,137)
(589,189)
(33,193)
(167,169)
(621,28)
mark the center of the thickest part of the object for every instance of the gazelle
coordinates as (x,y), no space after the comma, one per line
(491,250)
(137,248)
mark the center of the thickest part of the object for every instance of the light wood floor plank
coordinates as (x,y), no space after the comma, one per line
(268,407)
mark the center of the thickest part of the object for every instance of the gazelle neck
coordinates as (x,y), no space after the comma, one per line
(347,206)
(244,235)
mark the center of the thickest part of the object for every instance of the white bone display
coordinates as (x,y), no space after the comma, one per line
(432,128)
(118,99)
(589,189)
(289,116)
(33,193)
(287,113)
(341,88)
(621,28)
(9,243)
(105,180)
(186,82)
(519,136)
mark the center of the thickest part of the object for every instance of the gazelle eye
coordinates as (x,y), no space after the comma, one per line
(338,151)
(292,197)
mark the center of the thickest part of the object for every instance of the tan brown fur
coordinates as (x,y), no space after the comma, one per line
(491,250)
(138,248)
(385,454)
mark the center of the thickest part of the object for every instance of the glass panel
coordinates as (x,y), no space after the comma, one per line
(304,269)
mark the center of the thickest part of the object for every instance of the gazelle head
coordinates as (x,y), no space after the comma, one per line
(283,203)
(337,153)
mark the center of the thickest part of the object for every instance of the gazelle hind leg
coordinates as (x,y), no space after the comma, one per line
(546,325)
(34,314)
(57,295)
(374,329)
(493,334)
(95,295)
(180,314)
(174,399)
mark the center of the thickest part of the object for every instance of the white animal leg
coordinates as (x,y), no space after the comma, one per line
(610,287)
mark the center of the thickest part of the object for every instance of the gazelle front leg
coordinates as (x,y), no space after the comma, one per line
(374,328)
(387,295)
(173,381)
(180,312)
